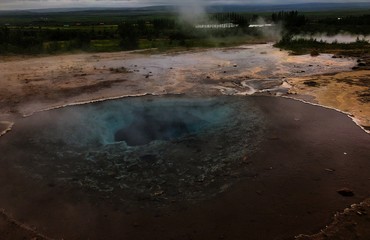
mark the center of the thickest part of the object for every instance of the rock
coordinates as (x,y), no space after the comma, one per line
(360,213)
(361,64)
(314,53)
(345,192)
(148,158)
(311,83)
(329,170)
(245,159)
(337,56)
(158,193)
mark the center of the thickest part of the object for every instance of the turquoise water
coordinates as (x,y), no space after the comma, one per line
(145,147)
(135,121)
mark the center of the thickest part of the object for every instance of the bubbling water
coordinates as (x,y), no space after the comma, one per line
(136,121)
(149,126)
(146,147)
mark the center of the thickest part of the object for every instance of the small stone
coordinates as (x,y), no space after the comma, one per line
(311,83)
(245,160)
(329,170)
(360,213)
(345,192)
(158,193)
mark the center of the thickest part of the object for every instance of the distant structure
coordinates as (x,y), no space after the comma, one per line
(261,25)
(216,26)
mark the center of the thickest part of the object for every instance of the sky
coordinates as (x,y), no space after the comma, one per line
(40,4)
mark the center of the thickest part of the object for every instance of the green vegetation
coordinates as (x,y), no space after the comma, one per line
(137,32)
(101,31)
(313,47)
(296,24)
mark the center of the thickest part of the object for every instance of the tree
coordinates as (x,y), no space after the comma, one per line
(129,35)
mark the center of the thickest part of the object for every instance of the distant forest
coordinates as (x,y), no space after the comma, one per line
(142,32)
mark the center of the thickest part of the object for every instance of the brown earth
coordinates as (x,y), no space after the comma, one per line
(346,91)
(29,85)
(352,223)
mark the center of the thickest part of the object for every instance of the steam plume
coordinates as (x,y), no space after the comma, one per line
(191,11)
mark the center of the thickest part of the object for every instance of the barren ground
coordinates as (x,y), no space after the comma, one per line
(34,84)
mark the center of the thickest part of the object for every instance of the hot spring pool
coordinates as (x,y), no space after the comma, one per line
(161,148)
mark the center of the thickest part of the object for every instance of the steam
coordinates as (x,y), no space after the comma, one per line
(137,120)
(192,11)
(270,32)
(339,38)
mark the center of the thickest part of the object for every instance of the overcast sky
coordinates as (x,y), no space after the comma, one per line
(39,4)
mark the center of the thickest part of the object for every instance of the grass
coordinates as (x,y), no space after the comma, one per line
(338,13)
(114,17)
(87,18)
(313,47)
(105,37)
(111,45)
